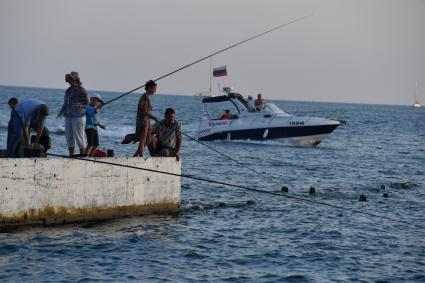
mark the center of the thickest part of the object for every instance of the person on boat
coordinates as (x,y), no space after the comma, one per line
(259,102)
(30,112)
(92,123)
(166,137)
(74,108)
(226,115)
(143,124)
(251,104)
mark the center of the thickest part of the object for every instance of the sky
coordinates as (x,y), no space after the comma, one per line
(359,51)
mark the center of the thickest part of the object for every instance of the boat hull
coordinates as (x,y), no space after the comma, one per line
(299,135)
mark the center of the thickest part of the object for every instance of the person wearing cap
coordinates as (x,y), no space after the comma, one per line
(91,124)
(143,124)
(30,112)
(74,109)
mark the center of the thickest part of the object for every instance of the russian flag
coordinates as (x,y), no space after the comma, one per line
(220,71)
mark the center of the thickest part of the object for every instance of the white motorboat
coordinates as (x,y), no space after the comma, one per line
(265,123)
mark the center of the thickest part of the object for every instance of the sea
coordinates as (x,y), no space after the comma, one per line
(228,234)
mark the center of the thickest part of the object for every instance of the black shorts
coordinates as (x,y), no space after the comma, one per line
(160,147)
(92,137)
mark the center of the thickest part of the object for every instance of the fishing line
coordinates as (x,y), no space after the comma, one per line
(213,54)
(263,174)
(233,185)
(225,155)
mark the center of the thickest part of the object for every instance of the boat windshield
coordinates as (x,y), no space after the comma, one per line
(271,108)
(224,110)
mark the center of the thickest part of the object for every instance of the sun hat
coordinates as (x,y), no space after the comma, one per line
(73,76)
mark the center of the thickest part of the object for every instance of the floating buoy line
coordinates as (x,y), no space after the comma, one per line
(234,186)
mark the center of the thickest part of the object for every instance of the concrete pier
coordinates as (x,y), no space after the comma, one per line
(53,191)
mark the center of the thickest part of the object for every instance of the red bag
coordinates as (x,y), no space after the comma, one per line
(99,153)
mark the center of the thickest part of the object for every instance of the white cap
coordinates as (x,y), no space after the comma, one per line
(96,95)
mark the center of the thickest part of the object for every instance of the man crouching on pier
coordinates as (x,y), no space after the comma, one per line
(166,137)
(26,113)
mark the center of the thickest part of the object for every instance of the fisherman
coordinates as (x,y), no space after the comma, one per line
(30,111)
(12,104)
(259,102)
(92,135)
(44,141)
(143,124)
(251,104)
(166,138)
(74,109)
(226,115)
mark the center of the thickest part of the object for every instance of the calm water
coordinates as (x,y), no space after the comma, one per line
(273,240)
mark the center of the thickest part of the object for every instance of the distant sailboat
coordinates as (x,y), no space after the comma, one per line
(416,104)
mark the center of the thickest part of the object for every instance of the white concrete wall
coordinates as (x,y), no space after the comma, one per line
(34,184)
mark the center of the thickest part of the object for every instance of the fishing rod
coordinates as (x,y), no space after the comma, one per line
(232,185)
(213,54)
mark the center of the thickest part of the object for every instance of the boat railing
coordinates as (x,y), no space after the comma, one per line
(318,113)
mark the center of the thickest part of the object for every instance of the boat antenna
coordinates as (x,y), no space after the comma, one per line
(213,54)
(237,186)
(211,76)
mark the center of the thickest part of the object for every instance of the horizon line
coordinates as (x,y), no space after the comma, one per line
(189,95)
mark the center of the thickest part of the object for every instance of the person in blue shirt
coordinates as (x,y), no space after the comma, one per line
(12,104)
(26,114)
(92,123)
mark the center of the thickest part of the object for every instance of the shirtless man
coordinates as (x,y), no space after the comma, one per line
(259,102)
(143,124)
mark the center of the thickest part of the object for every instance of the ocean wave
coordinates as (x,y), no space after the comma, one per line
(57,130)
(116,131)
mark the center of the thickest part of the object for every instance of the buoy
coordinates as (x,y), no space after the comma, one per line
(406,185)
(382,187)
(285,189)
(385,195)
(363,198)
(312,191)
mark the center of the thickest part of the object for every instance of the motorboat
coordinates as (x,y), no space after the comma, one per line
(266,122)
